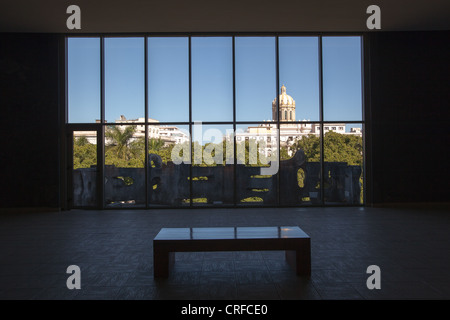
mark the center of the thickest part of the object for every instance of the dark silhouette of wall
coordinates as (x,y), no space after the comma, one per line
(410,101)
(29,121)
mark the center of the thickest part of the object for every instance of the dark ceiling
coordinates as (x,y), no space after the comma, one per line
(110,16)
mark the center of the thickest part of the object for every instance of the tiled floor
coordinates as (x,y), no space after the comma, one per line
(114,252)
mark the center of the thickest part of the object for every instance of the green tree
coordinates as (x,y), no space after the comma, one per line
(343,148)
(246,154)
(310,144)
(122,149)
(155,145)
(159,147)
(337,148)
(120,140)
(84,153)
(80,141)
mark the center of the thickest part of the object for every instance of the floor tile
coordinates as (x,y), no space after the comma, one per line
(114,252)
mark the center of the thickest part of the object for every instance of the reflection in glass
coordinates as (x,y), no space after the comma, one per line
(343,163)
(83,80)
(169,158)
(342,91)
(212,79)
(168,79)
(299,66)
(255,77)
(230,233)
(257,163)
(124,165)
(124,80)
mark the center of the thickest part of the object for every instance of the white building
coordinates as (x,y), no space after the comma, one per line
(290,131)
(266,133)
(168,134)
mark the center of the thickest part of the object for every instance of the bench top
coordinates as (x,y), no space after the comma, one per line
(222,233)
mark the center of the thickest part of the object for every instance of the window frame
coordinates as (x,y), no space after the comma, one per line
(67,127)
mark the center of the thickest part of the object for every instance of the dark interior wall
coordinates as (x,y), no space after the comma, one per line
(29,120)
(222,16)
(410,94)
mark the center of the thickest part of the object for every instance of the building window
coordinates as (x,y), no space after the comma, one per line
(137,87)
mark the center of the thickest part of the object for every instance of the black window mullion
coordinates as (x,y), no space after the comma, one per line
(277,72)
(365,103)
(190,121)
(322,189)
(102,80)
(146,121)
(65,187)
(101,139)
(235,199)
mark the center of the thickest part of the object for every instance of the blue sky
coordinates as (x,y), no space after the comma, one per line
(212,81)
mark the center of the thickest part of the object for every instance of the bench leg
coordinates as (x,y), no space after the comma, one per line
(300,259)
(162,263)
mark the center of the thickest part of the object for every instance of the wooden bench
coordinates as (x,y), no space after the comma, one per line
(293,240)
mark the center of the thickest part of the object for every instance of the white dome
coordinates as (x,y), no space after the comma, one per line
(285,99)
(286,111)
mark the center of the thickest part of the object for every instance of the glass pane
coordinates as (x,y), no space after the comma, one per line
(342,91)
(124,166)
(213,167)
(169,160)
(300,164)
(257,164)
(83,80)
(84,168)
(343,155)
(255,78)
(212,79)
(168,79)
(299,75)
(124,80)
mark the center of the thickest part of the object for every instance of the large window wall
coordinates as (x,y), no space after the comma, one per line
(189,121)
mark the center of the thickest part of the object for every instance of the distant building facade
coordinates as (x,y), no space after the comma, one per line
(168,134)
(265,133)
(290,130)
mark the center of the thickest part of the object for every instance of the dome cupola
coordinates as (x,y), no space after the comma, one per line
(286,107)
